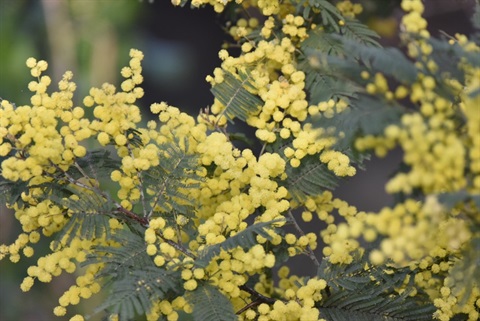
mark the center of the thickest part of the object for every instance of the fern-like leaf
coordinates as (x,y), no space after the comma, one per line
(360,33)
(95,164)
(312,177)
(244,239)
(321,42)
(170,181)
(233,94)
(11,192)
(450,200)
(209,304)
(365,116)
(469,270)
(360,293)
(120,260)
(89,213)
(134,137)
(448,57)
(324,86)
(136,292)
(388,61)
(132,278)
(468,267)
(329,14)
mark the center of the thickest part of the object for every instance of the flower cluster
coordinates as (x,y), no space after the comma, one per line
(349,9)
(440,154)
(285,111)
(213,217)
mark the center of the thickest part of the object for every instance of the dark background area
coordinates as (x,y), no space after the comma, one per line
(92,38)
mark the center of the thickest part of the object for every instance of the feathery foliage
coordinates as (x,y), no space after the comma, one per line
(210,304)
(312,178)
(167,185)
(364,116)
(358,32)
(329,14)
(244,239)
(132,279)
(234,94)
(97,164)
(11,192)
(390,61)
(89,214)
(361,292)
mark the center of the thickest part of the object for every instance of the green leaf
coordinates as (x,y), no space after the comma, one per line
(329,13)
(95,164)
(323,87)
(233,94)
(466,272)
(135,293)
(244,239)
(449,58)
(323,9)
(120,260)
(360,33)
(312,177)
(322,42)
(323,84)
(171,181)
(89,214)
(361,292)
(452,199)
(389,61)
(134,282)
(11,192)
(134,137)
(365,116)
(320,83)
(209,304)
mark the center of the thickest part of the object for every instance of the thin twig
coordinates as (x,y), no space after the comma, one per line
(308,249)
(259,299)
(177,246)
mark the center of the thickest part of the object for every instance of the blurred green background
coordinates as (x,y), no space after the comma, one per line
(92,38)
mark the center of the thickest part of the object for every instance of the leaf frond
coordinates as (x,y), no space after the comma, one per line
(364,116)
(363,292)
(244,239)
(11,192)
(312,177)
(88,212)
(132,278)
(167,185)
(233,94)
(360,33)
(97,164)
(209,304)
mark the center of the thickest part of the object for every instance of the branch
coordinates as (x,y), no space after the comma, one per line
(308,249)
(260,298)
(142,220)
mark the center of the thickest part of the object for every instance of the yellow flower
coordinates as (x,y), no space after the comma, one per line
(190,285)
(77,317)
(169,233)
